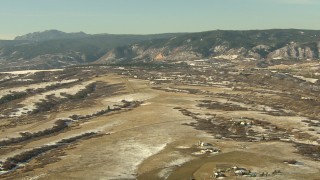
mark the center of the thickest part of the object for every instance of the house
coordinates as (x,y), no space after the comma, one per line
(218,175)
(241,171)
(202,144)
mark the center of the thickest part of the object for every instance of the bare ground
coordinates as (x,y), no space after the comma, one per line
(156,140)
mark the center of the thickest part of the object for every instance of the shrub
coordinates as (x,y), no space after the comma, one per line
(10,97)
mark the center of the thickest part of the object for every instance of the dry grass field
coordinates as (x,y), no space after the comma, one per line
(107,123)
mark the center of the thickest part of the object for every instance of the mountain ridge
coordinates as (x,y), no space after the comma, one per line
(225,44)
(34,52)
(52,34)
(67,49)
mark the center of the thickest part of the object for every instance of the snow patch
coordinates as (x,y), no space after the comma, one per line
(311,80)
(165,173)
(229,57)
(133,153)
(130,97)
(31,71)
(29,104)
(34,86)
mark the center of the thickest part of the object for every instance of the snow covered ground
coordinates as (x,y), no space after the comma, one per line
(29,104)
(4,92)
(31,71)
(311,80)
(179,160)
(130,97)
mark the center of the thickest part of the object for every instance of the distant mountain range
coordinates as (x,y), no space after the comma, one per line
(53,48)
(51,35)
(289,44)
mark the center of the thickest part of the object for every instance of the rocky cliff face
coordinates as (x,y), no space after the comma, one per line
(181,53)
(232,45)
(136,53)
(54,49)
(295,51)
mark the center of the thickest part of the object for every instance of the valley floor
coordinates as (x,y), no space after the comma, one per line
(152,131)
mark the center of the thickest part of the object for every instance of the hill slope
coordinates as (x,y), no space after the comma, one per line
(253,44)
(54,49)
(50,35)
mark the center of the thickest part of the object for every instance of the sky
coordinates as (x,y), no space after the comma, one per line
(18,17)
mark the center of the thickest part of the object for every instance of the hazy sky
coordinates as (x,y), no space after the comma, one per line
(19,17)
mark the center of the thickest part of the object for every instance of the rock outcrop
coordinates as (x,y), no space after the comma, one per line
(230,45)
